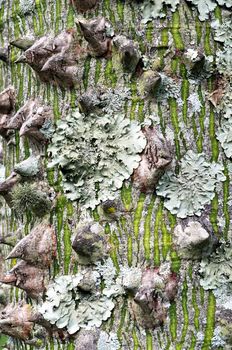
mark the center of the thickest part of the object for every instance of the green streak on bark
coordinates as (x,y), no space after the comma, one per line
(98,68)
(70,17)
(135,340)
(226,195)
(176,262)
(71,346)
(17,146)
(176,32)
(26,148)
(39,11)
(202,295)
(218,13)
(173,320)
(126,195)
(207,43)
(129,249)
(166,240)
(56,110)
(85,77)
(147,230)
(58,15)
(209,329)
(162,120)
(174,118)
(1,17)
(158,222)
(120,11)
(193,342)
(122,319)
(110,74)
(59,210)
(140,111)
(21,87)
(15,11)
(67,248)
(184,302)
(149,341)
(198,27)
(213,139)
(201,121)
(185,95)
(194,127)
(214,213)
(107,5)
(149,32)
(172,220)
(113,240)
(138,214)
(196,309)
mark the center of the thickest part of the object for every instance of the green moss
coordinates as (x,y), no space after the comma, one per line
(198,26)
(26,198)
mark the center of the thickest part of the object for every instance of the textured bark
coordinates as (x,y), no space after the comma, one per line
(143,234)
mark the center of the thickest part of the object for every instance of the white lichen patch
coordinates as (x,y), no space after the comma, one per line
(193,234)
(108,341)
(154,9)
(223,35)
(217,270)
(67,306)
(188,192)
(96,154)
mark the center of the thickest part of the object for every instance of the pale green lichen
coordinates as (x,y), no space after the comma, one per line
(68,305)
(224,132)
(96,154)
(153,9)
(205,7)
(188,192)
(27,197)
(217,269)
(223,35)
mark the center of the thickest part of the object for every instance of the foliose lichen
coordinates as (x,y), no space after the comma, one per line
(224,132)
(188,192)
(96,154)
(68,306)
(205,7)
(153,9)
(217,269)
(224,36)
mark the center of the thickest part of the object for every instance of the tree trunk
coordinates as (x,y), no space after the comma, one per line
(139,230)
